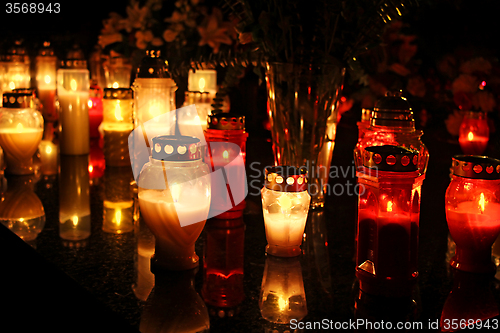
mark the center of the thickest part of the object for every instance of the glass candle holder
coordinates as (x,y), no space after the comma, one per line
(117,125)
(392,124)
(282,295)
(388,221)
(73,94)
(285,203)
(95,110)
(473,211)
(21,130)
(74,198)
(474,133)
(203,80)
(223,257)
(226,152)
(174,199)
(191,119)
(46,66)
(16,65)
(117,72)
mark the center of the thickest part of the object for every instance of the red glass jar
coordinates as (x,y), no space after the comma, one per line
(226,152)
(473,211)
(95,110)
(388,220)
(223,264)
(392,124)
(474,133)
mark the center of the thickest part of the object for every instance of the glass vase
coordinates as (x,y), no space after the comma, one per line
(303,100)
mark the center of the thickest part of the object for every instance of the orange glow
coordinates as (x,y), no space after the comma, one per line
(389,206)
(470,136)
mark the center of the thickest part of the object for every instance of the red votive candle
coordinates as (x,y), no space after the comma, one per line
(95,110)
(388,219)
(474,133)
(473,211)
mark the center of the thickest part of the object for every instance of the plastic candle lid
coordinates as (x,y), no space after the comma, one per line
(390,158)
(176,148)
(286,178)
(476,167)
(226,121)
(393,110)
(117,93)
(18,100)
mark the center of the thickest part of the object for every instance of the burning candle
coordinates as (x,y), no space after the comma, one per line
(48,156)
(473,211)
(46,65)
(21,131)
(388,219)
(17,69)
(174,199)
(73,93)
(203,80)
(117,72)
(285,203)
(474,133)
(226,152)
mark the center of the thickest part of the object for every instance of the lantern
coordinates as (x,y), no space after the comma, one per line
(21,131)
(388,220)
(226,152)
(285,203)
(474,133)
(473,211)
(203,80)
(73,94)
(117,125)
(174,198)
(46,66)
(16,69)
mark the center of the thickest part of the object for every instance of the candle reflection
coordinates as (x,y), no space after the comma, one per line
(174,305)
(20,208)
(74,198)
(118,205)
(282,295)
(223,265)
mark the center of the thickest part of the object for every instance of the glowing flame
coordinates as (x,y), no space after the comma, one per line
(91,168)
(75,220)
(154,110)
(118,112)
(12,85)
(482,202)
(282,303)
(175,191)
(20,127)
(116,85)
(73,85)
(89,103)
(47,79)
(225,155)
(470,136)
(118,216)
(201,84)
(285,202)
(389,206)
(48,149)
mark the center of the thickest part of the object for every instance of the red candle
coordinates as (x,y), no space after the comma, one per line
(473,144)
(95,110)
(474,133)
(473,211)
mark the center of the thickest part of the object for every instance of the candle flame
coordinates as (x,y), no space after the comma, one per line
(47,79)
(225,154)
(282,303)
(118,216)
(74,219)
(482,202)
(201,84)
(175,191)
(285,202)
(12,85)
(118,112)
(89,103)
(116,85)
(154,110)
(91,168)
(470,136)
(48,149)
(73,85)
(20,127)
(389,206)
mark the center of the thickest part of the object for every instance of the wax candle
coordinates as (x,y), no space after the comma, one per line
(74,198)
(46,65)
(473,144)
(49,153)
(285,203)
(21,131)
(174,198)
(95,110)
(118,106)
(388,221)
(73,94)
